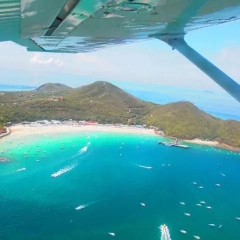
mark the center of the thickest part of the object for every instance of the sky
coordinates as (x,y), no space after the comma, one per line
(143,65)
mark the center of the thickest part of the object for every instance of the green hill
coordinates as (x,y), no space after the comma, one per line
(106,103)
(53,87)
(103,101)
(183,120)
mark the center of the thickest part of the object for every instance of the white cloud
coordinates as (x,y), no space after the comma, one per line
(36,59)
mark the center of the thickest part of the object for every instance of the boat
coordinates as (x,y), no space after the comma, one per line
(202,202)
(218,185)
(209,207)
(112,234)
(198,204)
(182,203)
(197,237)
(143,204)
(183,231)
(187,214)
(211,225)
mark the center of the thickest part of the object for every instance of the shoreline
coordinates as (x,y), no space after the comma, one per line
(23,130)
(215,144)
(19,131)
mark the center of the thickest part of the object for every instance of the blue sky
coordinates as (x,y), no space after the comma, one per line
(143,65)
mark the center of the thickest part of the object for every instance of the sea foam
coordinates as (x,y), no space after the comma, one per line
(63,170)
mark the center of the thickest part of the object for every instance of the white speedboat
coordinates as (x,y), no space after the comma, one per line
(211,225)
(197,237)
(183,231)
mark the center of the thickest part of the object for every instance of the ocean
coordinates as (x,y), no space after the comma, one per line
(124,184)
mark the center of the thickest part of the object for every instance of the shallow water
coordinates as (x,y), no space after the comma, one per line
(107,177)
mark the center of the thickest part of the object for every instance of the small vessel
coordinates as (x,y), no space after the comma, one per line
(211,225)
(202,202)
(200,187)
(183,231)
(143,204)
(222,174)
(195,183)
(79,207)
(209,207)
(112,234)
(197,237)
(187,214)
(220,226)
(198,204)
(217,184)
(182,203)
(238,218)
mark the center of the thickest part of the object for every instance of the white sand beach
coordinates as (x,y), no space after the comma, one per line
(24,130)
(202,142)
(21,131)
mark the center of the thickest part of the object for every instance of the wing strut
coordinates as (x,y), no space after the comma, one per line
(177,42)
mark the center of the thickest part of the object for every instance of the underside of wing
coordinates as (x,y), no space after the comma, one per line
(86,25)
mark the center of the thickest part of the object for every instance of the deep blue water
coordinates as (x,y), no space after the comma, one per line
(106,176)
(9,88)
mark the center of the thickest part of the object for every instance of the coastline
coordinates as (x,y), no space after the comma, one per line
(212,143)
(21,131)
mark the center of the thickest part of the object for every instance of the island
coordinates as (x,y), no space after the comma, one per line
(105,103)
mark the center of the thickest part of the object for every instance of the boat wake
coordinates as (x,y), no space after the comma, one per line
(165,235)
(21,169)
(73,165)
(142,166)
(83,206)
(84,149)
(63,170)
(80,207)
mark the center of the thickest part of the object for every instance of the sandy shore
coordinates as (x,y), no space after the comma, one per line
(203,142)
(22,130)
(213,144)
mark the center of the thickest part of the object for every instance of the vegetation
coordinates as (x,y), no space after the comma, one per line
(54,88)
(106,103)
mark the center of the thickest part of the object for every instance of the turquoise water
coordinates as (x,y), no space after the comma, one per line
(105,175)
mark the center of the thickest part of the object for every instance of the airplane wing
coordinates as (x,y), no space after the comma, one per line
(86,25)
(73,26)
